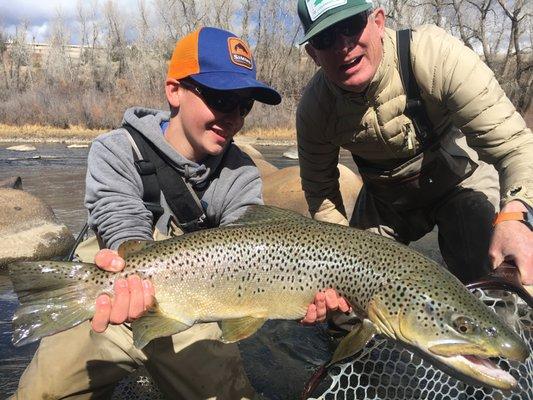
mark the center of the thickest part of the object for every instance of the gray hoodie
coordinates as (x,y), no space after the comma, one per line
(114,188)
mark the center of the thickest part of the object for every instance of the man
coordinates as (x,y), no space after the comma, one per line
(357,101)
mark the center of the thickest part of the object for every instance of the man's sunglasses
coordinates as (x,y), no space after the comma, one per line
(349,27)
(223,101)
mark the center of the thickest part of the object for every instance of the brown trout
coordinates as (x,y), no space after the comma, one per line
(269,265)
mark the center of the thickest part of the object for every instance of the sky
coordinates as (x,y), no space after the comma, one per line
(39,14)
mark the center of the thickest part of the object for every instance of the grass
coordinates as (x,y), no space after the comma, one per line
(279,134)
(39,133)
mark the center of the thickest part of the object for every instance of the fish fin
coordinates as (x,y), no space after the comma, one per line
(154,324)
(354,341)
(259,214)
(236,329)
(378,313)
(54,296)
(130,247)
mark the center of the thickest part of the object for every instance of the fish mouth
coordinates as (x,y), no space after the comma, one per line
(474,361)
(463,359)
(482,370)
(471,362)
(505,350)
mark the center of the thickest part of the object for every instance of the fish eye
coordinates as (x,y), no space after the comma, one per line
(464,325)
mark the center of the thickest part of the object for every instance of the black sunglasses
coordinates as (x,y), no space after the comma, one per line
(349,27)
(223,101)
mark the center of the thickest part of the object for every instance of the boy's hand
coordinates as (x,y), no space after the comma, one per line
(132,297)
(325,301)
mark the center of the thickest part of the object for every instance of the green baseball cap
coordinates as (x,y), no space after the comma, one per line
(317,15)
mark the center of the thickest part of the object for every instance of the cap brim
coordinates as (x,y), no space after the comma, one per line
(333,19)
(235,81)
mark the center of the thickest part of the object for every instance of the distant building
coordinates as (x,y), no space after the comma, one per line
(39,51)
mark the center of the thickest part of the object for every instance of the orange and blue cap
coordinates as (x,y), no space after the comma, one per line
(219,60)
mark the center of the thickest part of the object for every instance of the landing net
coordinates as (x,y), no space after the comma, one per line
(386,371)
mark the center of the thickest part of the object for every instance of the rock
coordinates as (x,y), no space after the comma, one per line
(283,189)
(251,151)
(265,168)
(29,229)
(292,153)
(14,182)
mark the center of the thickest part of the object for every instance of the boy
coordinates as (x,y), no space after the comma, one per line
(210,88)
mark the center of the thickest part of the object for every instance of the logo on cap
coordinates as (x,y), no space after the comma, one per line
(318,7)
(239,52)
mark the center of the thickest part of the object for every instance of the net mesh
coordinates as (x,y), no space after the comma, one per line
(137,386)
(386,371)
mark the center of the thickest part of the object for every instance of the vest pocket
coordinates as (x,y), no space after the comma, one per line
(420,181)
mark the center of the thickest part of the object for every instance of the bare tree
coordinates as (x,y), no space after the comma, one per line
(245,22)
(4,58)
(19,71)
(519,52)
(223,11)
(116,36)
(124,58)
(58,67)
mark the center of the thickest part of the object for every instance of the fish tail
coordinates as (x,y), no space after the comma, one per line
(53,296)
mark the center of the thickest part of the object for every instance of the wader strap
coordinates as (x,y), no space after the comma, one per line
(79,239)
(157,174)
(414,107)
(151,191)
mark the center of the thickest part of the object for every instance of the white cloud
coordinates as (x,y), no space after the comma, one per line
(40,15)
(38,32)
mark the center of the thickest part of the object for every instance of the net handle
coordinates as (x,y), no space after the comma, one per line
(505,277)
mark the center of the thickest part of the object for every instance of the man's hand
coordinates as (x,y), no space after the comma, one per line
(132,297)
(512,241)
(325,301)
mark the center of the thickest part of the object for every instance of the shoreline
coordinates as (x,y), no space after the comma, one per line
(76,134)
(44,134)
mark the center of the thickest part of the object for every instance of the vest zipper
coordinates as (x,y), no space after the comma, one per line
(410,143)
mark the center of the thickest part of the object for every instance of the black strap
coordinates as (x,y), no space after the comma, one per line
(414,107)
(79,239)
(157,174)
(151,190)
